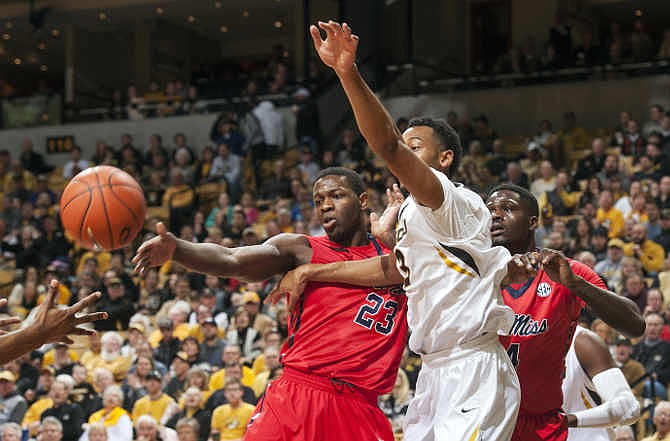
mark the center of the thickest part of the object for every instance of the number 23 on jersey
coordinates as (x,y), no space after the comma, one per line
(368,317)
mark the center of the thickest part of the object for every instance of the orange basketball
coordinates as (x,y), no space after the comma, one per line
(102,208)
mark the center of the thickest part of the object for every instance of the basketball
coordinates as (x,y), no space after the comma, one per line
(102,208)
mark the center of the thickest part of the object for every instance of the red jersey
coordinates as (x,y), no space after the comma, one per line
(353,334)
(545,316)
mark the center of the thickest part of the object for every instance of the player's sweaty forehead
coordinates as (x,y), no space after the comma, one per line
(330,184)
(503,196)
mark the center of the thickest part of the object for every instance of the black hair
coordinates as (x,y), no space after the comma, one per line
(354,179)
(447,135)
(526,196)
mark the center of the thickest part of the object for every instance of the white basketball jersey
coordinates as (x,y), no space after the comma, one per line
(452,274)
(576,396)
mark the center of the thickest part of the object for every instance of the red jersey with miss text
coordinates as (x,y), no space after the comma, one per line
(348,333)
(545,316)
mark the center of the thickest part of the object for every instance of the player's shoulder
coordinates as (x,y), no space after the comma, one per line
(581,269)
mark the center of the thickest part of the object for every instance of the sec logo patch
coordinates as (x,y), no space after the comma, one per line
(543,289)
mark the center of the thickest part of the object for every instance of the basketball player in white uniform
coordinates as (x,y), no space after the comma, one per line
(590,371)
(467,388)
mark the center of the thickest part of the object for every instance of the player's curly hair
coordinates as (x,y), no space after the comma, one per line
(526,197)
(448,137)
(354,179)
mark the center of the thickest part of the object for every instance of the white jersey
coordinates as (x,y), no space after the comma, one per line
(452,274)
(577,395)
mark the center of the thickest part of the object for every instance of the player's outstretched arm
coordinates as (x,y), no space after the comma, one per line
(372,272)
(617,311)
(252,263)
(338,51)
(49,325)
(619,407)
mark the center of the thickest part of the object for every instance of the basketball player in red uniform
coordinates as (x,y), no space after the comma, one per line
(345,342)
(546,309)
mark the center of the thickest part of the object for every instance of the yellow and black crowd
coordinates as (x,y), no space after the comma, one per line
(186,357)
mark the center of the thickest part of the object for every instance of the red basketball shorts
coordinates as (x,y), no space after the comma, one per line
(301,407)
(548,427)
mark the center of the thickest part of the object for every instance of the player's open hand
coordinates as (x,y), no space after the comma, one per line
(521,268)
(155,251)
(291,285)
(557,267)
(338,50)
(54,324)
(383,227)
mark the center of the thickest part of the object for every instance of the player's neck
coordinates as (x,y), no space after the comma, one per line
(358,239)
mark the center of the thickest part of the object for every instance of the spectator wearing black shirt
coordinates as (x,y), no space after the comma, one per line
(211,349)
(119,308)
(193,407)
(593,163)
(169,345)
(69,414)
(664,238)
(654,354)
(277,186)
(31,160)
(180,366)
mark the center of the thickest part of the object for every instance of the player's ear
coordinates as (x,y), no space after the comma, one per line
(446,157)
(532,223)
(363,199)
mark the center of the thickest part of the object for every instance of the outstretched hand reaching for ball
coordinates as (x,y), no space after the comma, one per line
(156,251)
(338,50)
(50,324)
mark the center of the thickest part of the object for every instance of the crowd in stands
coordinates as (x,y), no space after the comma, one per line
(186,356)
(575,42)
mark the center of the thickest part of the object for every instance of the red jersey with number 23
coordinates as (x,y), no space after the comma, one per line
(353,334)
(545,316)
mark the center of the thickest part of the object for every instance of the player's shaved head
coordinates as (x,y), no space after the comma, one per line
(353,179)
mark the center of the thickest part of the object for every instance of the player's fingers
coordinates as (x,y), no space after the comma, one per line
(346,30)
(3,302)
(160,229)
(9,321)
(82,331)
(3,332)
(85,302)
(324,27)
(67,340)
(51,293)
(316,36)
(374,218)
(92,317)
(330,29)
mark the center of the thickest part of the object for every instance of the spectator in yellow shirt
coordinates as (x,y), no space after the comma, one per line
(230,420)
(651,254)
(110,356)
(232,354)
(156,404)
(608,216)
(271,361)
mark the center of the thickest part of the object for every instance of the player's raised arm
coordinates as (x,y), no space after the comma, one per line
(338,51)
(617,311)
(372,272)
(251,263)
(619,407)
